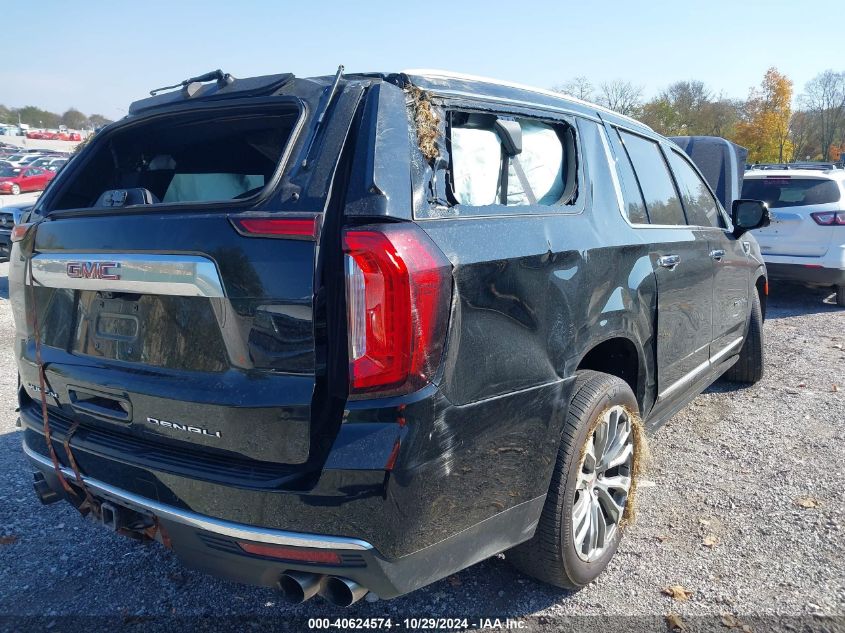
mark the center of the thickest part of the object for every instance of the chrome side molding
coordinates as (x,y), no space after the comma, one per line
(178,275)
(695,373)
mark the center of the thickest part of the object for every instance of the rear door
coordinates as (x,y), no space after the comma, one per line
(682,266)
(792,199)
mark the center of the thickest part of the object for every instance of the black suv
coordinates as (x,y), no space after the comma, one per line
(355,333)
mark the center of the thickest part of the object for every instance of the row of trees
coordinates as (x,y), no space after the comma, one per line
(765,122)
(36,117)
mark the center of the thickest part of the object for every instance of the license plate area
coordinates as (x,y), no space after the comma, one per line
(115,326)
(156,330)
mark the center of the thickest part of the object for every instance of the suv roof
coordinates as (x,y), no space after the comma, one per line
(436,81)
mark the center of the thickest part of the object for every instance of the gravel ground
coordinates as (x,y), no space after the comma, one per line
(720,514)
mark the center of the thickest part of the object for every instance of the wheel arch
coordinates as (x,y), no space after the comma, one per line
(761,284)
(619,356)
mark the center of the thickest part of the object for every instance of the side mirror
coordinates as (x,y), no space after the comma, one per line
(510,133)
(747,215)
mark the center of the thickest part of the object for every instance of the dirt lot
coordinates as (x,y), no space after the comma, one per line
(742,507)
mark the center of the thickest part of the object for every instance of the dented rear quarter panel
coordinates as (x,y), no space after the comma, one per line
(532,294)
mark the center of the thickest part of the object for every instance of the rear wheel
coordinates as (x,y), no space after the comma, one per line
(581,523)
(16,190)
(749,367)
(840,295)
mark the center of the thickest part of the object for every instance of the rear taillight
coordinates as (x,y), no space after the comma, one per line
(295,228)
(398,290)
(829,218)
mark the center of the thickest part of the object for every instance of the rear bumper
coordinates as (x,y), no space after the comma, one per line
(812,274)
(827,270)
(466,483)
(212,545)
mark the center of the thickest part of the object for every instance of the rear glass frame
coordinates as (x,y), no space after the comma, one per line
(255,106)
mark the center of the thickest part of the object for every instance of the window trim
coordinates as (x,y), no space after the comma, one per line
(684,157)
(497,210)
(659,143)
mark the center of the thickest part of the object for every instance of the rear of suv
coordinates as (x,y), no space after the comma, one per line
(352,334)
(805,241)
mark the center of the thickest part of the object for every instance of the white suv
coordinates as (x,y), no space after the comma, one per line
(805,241)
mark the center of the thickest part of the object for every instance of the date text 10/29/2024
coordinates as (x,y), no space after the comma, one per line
(416,624)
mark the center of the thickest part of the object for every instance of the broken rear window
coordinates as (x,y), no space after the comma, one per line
(195,157)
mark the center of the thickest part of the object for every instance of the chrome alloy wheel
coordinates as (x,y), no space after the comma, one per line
(603,484)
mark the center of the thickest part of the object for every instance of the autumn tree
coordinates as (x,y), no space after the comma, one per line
(98,120)
(578,87)
(804,134)
(621,96)
(74,119)
(824,97)
(764,128)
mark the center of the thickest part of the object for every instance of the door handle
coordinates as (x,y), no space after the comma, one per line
(717,254)
(99,405)
(669,261)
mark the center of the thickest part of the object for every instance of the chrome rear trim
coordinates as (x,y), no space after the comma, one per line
(178,275)
(239,531)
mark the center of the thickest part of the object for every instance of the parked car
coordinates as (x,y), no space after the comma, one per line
(373,331)
(22,160)
(806,239)
(9,216)
(47,135)
(17,179)
(46,161)
(6,223)
(56,164)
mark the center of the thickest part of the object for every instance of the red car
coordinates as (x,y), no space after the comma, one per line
(44,135)
(14,180)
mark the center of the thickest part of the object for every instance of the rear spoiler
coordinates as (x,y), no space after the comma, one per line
(191,90)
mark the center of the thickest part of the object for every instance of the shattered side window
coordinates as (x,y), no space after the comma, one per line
(480,168)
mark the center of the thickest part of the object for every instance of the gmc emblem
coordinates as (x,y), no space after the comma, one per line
(93,270)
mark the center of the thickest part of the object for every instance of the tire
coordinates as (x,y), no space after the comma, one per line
(749,368)
(552,555)
(840,296)
(15,189)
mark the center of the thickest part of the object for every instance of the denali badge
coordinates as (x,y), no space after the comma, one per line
(93,270)
(183,427)
(37,389)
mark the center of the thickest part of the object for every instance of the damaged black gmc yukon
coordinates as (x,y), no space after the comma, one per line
(354,333)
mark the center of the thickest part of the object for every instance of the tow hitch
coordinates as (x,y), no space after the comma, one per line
(110,516)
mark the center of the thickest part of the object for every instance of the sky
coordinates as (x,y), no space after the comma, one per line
(105,54)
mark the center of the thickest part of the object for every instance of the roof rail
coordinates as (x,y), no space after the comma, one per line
(447,74)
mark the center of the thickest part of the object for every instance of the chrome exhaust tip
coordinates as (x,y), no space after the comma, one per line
(299,586)
(342,592)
